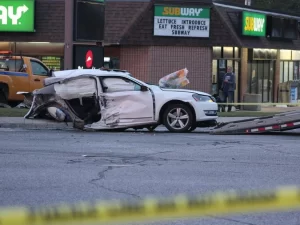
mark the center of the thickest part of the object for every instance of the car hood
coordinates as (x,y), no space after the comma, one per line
(179,90)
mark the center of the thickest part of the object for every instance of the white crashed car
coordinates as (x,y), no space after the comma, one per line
(101,99)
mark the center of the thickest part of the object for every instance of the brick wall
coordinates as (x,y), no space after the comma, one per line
(136,60)
(198,61)
(112,52)
(151,63)
(50,17)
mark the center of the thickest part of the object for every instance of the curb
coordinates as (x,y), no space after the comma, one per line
(40,124)
(37,125)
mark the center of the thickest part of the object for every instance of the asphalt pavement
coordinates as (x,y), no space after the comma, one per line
(46,167)
(20,122)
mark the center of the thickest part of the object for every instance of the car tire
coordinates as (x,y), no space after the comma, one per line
(3,94)
(193,127)
(178,118)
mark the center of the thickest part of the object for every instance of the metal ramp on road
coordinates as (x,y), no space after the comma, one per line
(279,122)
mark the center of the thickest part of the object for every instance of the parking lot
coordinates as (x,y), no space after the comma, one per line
(49,167)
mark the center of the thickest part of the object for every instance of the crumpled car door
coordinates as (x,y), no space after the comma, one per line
(124,104)
(81,95)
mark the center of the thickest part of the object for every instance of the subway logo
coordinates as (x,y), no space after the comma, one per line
(254,23)
(188,12)
(172,11)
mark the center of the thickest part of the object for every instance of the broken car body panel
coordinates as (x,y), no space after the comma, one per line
(98,99)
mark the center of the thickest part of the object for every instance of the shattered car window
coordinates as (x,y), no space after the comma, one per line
(77,88)
(118,84)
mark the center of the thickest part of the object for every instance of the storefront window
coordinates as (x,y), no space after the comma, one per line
(229,63)
(296,70)
(285,54)
(267,85)
(214,71)
(52,62)
(289,70)
(217,52)
(236,72)
(286,71)
(236,52)
(228,52)
(271,85)
(249,80)
(261,78)
(222,58)
(281,72)
(215,77)
(295,55)
(254,79)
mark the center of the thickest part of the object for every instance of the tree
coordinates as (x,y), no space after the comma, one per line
(288,6)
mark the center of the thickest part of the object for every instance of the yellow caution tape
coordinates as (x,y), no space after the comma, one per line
(220,203)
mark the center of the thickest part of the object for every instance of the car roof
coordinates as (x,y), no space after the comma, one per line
(94,72)
(58,76)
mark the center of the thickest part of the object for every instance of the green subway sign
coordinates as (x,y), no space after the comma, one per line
(169,11)
(254,24)
(17,15)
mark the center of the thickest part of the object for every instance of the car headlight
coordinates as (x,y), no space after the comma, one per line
(203,98)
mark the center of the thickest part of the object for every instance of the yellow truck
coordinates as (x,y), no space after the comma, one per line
(20,74)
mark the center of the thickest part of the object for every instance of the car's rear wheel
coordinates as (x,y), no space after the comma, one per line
(178,118)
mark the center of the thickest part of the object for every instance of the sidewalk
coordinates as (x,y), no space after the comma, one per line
(279,109)
(20,122)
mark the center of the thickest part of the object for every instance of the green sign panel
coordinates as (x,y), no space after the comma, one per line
(17,15)
(254,24)
(173,11)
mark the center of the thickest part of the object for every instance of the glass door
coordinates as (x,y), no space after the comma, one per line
(219,69)
(261,79)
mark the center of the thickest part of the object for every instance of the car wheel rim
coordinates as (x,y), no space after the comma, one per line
(178,118)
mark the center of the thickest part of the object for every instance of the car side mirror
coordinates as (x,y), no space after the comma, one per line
(50,73)
(144,88)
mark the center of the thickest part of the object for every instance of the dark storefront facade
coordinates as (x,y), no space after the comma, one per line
(270,48)
(39,32)
(260,59)
(55,32)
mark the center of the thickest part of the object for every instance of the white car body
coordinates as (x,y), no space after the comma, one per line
(126,104)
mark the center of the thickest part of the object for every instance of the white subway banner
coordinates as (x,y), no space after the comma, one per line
(182,27)
(181,21)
